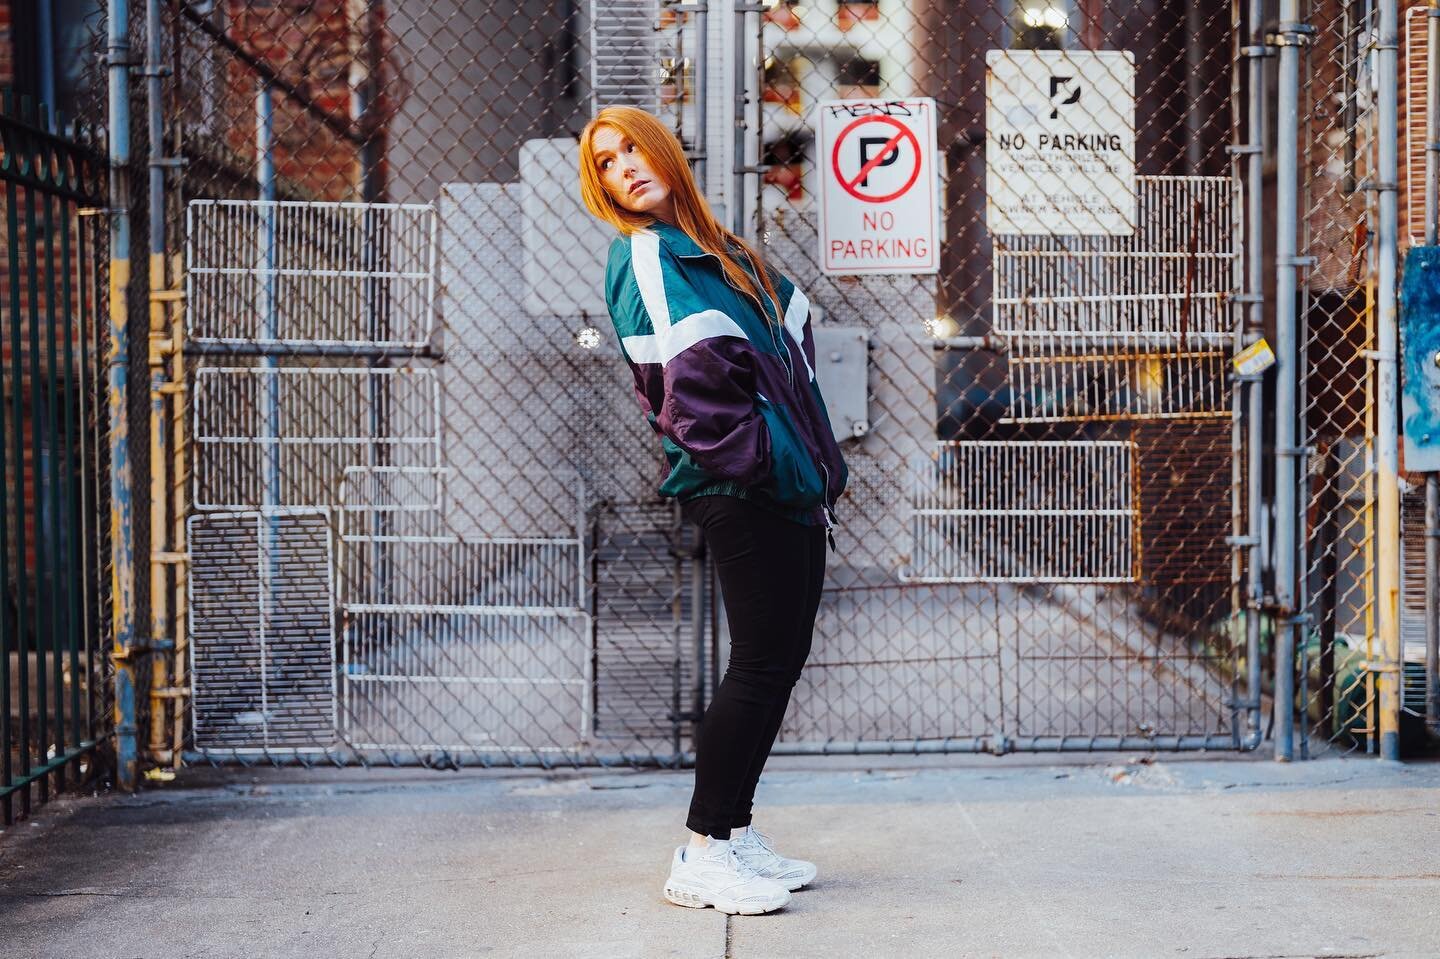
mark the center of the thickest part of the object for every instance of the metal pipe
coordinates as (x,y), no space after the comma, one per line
(45,57)
(265,178)
(880,747)
(1254,232)
(179,474)
(702,91)
(157,355)
(1432,480)
(122,544)
(270,402)
(1387,457)
(737,159)
(179,477)
(1289,36)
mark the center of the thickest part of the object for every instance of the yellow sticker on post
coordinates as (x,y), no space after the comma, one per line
(1254,359)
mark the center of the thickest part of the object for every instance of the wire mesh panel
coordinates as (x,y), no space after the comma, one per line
(456,642)
(262,622)
(1125,327)
(278,273)
(1336,689)
(283,436)
(1026,512)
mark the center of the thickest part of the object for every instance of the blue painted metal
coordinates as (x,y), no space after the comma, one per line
(1420,345)
(122,500)
(45,52)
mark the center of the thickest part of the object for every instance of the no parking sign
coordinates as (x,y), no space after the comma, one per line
(879,209)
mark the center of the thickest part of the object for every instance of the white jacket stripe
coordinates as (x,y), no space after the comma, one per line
(797,311)
(663,347)
(645,260)
(669,339)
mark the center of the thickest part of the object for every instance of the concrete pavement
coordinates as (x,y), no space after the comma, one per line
(1018,856)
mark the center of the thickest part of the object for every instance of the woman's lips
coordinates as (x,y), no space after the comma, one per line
(638,185)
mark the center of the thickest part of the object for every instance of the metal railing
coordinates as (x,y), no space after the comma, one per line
(54,622)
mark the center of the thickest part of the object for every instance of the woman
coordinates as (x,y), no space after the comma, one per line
(723,359)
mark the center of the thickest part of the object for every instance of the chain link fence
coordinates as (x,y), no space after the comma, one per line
(422,521)
(417,501)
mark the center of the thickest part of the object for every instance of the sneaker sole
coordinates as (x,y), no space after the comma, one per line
(681,896)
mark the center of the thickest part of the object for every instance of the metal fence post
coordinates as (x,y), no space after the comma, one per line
(121,494)
(1254,149)
(1289,36)
(1386,419)
(160,346)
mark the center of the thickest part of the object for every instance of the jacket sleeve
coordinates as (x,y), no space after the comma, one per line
(693,368)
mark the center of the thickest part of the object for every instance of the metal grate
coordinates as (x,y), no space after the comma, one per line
(262,631)
(268,437)
(1051,383)
(1133,327)
(1025,512)
(626,62)
(455,642)
(307,274)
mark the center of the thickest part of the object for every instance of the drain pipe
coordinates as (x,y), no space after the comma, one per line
(1387,457)
(1290,35)
(122,544)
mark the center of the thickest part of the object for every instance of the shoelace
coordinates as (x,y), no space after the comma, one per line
(758,838)
(742,868)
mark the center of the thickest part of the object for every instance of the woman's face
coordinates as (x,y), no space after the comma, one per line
(627,176)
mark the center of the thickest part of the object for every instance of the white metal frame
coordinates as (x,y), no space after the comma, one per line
(1138,326)
(422,523)
(327,283)
(970,512)
(209,442)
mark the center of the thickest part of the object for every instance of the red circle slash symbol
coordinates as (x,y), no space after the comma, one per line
(893,144)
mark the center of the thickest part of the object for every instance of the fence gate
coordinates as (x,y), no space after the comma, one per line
(1035,550)
(422,521)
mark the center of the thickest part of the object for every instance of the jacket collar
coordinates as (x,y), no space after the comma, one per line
(676,239)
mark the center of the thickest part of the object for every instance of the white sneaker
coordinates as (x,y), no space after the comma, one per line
(716,877)
(754,849)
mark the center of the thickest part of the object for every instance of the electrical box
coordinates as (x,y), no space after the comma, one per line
(1420,358)
(842,365)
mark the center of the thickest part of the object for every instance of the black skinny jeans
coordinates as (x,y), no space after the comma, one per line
(770,570)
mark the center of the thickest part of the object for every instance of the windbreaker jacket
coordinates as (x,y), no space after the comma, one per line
(732,395)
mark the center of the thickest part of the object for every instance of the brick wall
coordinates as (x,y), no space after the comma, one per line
(313,46)
(7,45)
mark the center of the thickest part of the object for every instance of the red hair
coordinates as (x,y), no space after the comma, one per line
(666,157)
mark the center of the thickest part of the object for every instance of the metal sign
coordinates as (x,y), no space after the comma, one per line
(879,209)
(1060,142)
(1420,358)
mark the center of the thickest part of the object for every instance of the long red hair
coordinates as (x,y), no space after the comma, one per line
(692,213)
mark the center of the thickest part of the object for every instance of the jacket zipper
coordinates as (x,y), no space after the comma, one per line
(829,513)
(789,362)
